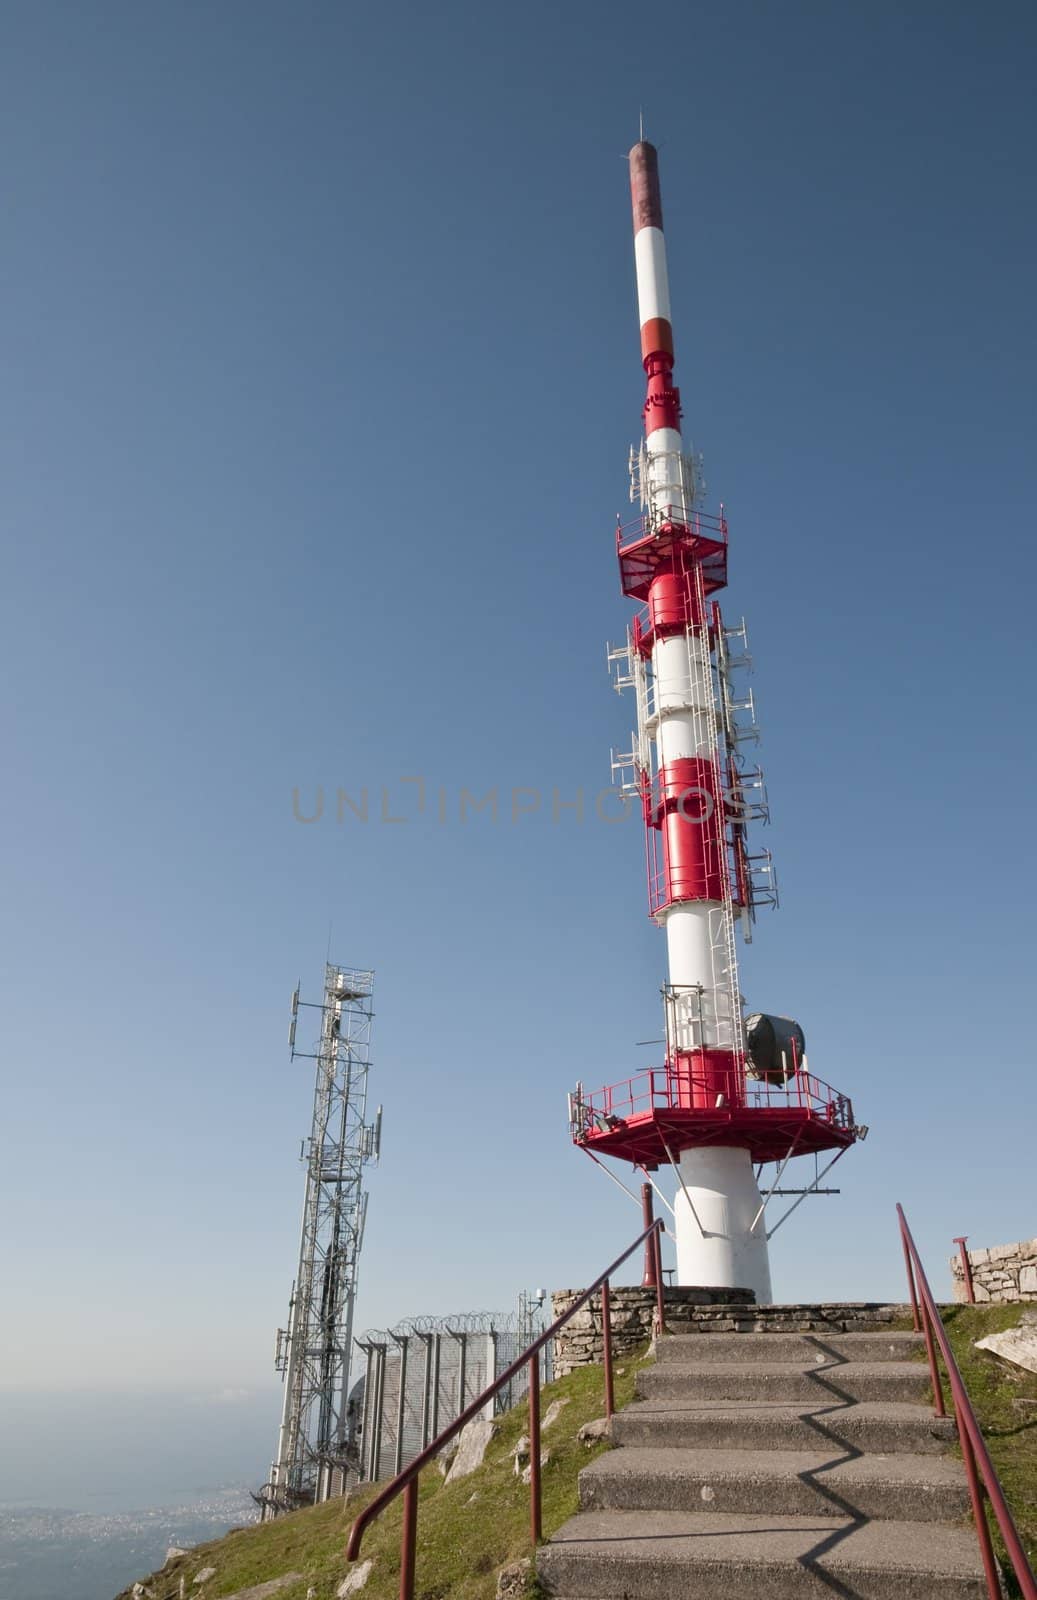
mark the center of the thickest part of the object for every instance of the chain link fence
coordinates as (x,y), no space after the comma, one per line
(421,1374)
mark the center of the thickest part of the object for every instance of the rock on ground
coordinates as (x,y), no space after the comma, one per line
(513,1580)
(259,1591)
(591,1432)
(555,1410)
(356,1580)
(205,1574)
(1017,1345)
(527,1471)
(474,1442)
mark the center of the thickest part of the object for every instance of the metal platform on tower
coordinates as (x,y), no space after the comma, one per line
(652,1117)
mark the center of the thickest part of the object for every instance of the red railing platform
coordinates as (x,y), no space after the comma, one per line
(645,1118)
(646,545)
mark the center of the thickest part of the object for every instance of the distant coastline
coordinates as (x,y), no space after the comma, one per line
(46,1552)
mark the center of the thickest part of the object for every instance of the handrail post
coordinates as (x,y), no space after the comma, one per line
(648,1217)
(934,1370)
(966,1269)
(979,1515)
(606,1349)
(660,1302)
(409,1540)
(535,1524)
(912,1291)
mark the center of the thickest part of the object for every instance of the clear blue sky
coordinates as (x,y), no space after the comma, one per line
(320,367)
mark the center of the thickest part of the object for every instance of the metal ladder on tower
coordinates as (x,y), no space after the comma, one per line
(721,922)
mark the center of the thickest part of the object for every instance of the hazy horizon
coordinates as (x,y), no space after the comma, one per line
(131,1450)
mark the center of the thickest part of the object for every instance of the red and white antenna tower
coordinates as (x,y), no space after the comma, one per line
(733,1092)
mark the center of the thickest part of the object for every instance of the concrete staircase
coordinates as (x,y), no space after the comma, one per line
(772,1466)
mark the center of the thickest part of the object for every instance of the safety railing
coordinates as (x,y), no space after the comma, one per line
(699,524)
(662,1089)
(696,539)
(406,1482)
(979,1469)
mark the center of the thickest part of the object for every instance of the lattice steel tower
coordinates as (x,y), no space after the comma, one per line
(313,1447)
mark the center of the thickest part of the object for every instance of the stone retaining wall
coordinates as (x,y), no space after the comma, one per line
(698,1311)
(1004,1272)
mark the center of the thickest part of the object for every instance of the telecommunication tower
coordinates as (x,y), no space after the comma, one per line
(313,1352)
(733,1093)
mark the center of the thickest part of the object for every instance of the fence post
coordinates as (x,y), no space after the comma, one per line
(426,1390)
(535,1525)
(401,1399)
(606,1348)
(437,1362)
(462,1371)
(379,1406)
(366,1416)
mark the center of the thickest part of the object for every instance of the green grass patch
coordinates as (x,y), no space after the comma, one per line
(466,1530)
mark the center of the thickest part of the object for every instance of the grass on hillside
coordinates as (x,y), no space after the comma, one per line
(1005,1401)
(466,1530)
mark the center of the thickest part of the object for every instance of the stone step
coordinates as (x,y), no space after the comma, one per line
(808,1348)
(793,1482)
(662,1555)
(840,1317)
(836,1381)
(884,1426)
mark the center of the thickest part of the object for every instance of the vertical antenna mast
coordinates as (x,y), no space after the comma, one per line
(313,1446)
(733,1092)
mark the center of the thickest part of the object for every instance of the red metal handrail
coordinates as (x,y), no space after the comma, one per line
(973,1446)
(406,1482)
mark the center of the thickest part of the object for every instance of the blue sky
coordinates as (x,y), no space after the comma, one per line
(320,370)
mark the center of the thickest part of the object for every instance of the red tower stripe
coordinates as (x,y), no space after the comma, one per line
(656,338)
(689,813)
(644,186)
